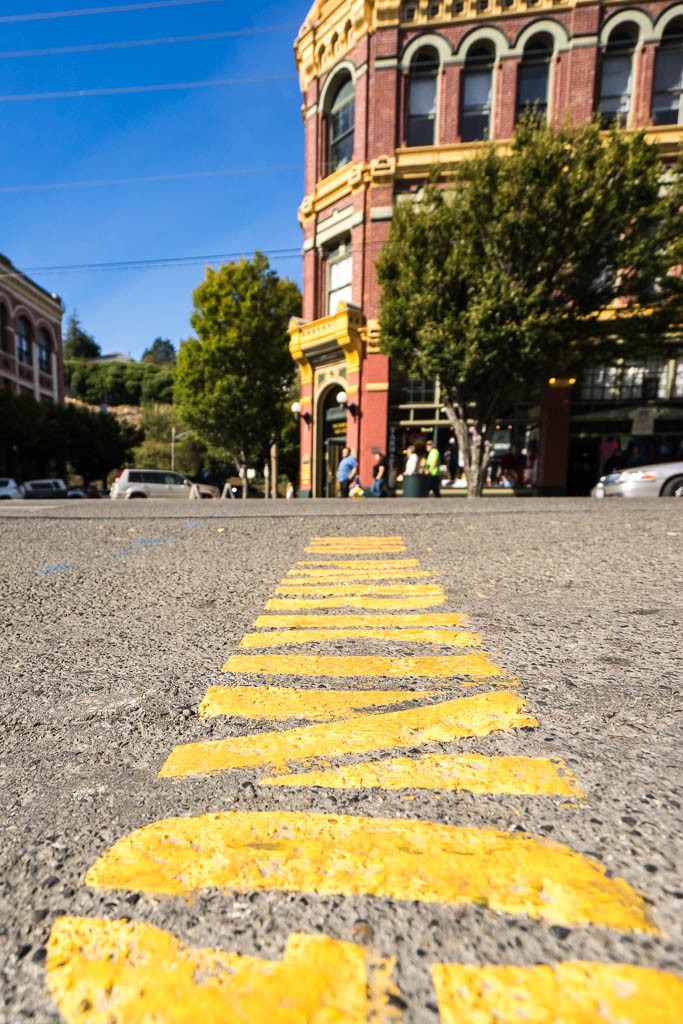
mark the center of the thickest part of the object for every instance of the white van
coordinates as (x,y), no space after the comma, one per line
(155,483)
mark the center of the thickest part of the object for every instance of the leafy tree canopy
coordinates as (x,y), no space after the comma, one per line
(118,383)
(232,380)
(78,344)
(529,265)
(161,352)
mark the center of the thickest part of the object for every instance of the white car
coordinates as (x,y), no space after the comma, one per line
(663,479)
(156,483)
(10,489)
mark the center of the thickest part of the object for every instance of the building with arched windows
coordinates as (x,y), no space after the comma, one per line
(392,87)
(30,337)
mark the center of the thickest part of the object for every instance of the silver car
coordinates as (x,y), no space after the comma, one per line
(663,479)
(156,483)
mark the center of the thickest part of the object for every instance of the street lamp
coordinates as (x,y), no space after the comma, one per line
(175,437)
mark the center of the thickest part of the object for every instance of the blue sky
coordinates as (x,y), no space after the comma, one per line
(61,141)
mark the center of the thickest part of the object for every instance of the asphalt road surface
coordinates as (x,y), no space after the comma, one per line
(363,761)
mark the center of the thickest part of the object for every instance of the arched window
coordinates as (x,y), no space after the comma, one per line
(44,351)
(421,105)
(4,340)
(475,117)
(667,97)
(534,75)
(23,342)
(617,76)
(340,119)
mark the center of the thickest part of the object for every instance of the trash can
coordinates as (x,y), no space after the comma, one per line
(415,486)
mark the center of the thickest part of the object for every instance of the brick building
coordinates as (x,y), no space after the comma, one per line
(392,87)
(31,360)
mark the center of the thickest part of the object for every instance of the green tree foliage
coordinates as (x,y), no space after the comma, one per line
(78,344)
(527,267)
(154,450)
(118,383)
(161,352)
(233,379)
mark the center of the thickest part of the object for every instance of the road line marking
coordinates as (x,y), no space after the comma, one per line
(461,718)
(474,773)
(348,621)
(345,548)
(361,576)
(349,601)
(477,666)
(60,567)
(360,541)
(574,992)
(358,589)
(397,859)
(442,637)
(134,972)
(277,703)
(364,563)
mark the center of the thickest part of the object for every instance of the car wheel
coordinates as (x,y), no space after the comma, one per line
(131,496)
(673,488)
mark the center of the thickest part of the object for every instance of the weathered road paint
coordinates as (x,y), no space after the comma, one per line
(363,563)
(280,638)
(256,851)
(345,621)
(438,723)
(341,575)
(277,703)
(349,601)
(578,992)
(344,547)
(119,971)
(474,773)
(360,589)
(476,666)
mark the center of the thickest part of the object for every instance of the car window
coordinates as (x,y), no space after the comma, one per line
(177,479)
(134,476)
(4,483)
(150,476)
(172,479)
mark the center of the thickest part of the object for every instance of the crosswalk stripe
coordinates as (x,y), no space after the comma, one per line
(376,547)
(442,637)
(477,666)
(351,601)
(256,851)
(450,720)
(359,564)
(277,703)
(358,575)
(578,992)
(405,621)
(474,773)
(359,589)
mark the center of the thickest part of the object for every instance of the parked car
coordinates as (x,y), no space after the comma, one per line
(52,488)
(10,489)
(156,483)
(663,479)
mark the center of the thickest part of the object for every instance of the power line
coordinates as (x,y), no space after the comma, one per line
(168,261)
(131,43)
(151,179)
(88,11)
(128,90)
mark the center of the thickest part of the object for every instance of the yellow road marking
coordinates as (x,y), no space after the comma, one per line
(358,564)
(524,776)
(371,538)
(349,601)
(361,589)
(443,637)
(345,548)
(579,992)
(476,666)
(344,621)
(277,703)
(391,730)
(342,575)
(104,971)
(350,856)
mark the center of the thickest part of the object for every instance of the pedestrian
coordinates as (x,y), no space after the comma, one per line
(412,462)
(433,469)
(347,471)
(379,470)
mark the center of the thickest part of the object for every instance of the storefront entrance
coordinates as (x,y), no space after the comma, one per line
(332,440)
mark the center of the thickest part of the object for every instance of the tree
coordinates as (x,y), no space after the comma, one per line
(161,352)
(232,380)
(78,344)
(529,266)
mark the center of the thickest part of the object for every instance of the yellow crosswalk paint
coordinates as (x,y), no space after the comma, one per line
(361,589)
(279,638)
(578,992)
(359,564)
(350,601)
(277,703)
(477,666)
(258,851)
(103,971)
(361,575)
(438,723)
(406,621)
(474,773)
(369,547)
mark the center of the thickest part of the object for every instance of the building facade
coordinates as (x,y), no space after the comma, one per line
(31,361)
(393,87)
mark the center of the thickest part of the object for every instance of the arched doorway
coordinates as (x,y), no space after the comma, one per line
(332,438)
